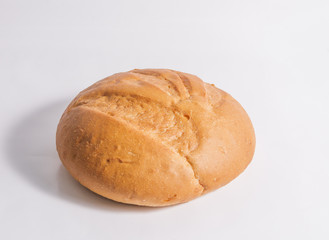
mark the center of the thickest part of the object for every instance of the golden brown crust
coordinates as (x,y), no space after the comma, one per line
(154,137)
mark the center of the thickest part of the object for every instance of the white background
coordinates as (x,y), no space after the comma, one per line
(271,55)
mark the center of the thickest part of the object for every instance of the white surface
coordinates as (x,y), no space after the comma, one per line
(272,56)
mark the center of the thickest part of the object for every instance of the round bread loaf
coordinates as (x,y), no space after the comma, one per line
(154,137)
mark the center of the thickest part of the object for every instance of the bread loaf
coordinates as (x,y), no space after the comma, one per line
(154,137)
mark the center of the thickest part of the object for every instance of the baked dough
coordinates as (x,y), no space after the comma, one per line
(154,137)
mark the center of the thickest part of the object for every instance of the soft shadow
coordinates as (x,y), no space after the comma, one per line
(32,153)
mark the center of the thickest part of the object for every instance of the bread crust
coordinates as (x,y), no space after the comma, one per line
(154,137)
